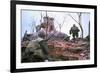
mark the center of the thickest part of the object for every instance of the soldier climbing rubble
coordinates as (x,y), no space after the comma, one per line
(39,44)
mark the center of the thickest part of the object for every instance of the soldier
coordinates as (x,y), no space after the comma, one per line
(44,46)
(39,48)
(74,31)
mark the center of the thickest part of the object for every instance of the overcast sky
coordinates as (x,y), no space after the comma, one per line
(31,18)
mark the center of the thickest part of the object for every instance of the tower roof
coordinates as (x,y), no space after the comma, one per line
(51,18)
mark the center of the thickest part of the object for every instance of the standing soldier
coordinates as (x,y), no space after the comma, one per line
(74,31)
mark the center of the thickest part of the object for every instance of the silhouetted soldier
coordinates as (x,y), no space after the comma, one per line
(74,31)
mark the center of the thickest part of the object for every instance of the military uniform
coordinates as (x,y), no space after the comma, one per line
(38,47)
(74,31)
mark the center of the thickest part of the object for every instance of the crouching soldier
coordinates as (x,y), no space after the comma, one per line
(74,31)
(39,48)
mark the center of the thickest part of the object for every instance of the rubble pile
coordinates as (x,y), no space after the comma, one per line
(69,50)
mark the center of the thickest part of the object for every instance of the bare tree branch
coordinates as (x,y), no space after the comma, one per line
(60,25)
(41,17)
(73,18)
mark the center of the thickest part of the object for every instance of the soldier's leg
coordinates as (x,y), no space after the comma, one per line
(45,49)
(73,37)
(77,38)
(77,35)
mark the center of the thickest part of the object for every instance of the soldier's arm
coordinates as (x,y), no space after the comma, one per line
(70,31)
(78,30)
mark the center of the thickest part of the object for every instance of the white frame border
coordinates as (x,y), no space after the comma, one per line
(20,65)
